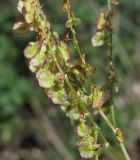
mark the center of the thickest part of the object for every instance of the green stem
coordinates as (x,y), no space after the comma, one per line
(111,64)
(123,149)
(76,43)
(113,115)
(110,72)
(106,120)
(108,146)
(111,89)
(111,86)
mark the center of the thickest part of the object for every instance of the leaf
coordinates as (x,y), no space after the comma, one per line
(59,97)
(20,6)
(100,23)
(87,140)
(46,78)
(73,114)
(28,5)
(98,98)
(82,129)
(31,67)
(86,151)
(86,147)
(64,51)
(103,21)
(87,99)
(21,27)
(74,21)
(29,17)
(32,49)
(39,57)
(65,107)
(98,39)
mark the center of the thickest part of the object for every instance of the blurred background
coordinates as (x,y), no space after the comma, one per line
(31,127)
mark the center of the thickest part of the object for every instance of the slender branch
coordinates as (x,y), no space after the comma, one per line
(113,115)
(124,151)
(107,144)
(76,43)
(107,120)
(112,126)
(111,62)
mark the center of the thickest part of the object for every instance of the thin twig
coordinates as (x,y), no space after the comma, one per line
(124,151)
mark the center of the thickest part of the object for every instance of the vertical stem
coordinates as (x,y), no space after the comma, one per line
(111,63)
(107,120)
(110,72)
(113,115)
(76,43)
(108,146)
(124,151)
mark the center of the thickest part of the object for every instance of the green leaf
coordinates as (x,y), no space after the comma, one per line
(65,107)
(86,151)
(87,140)
(87,99)
(82,129)
(86,147)
(21,27)
(46,78)
(29,17)
(98,98)
(74,21)
(98,39)
(100,23)
(39,57)
(59,97)
(103,21)
(64,51)
(28,5)
(32,49)
(73,114)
